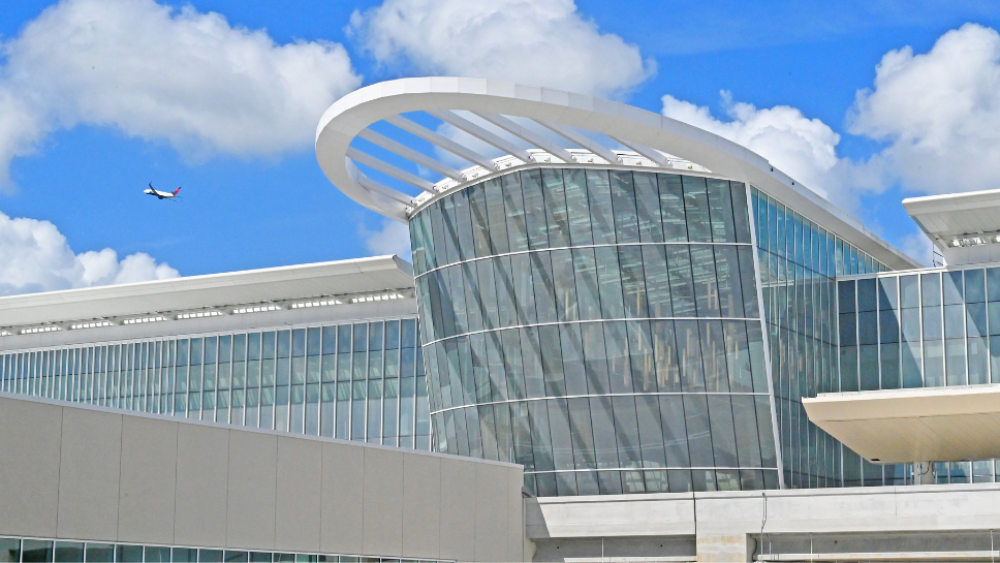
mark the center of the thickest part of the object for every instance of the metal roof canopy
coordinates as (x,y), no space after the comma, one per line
(381,273)
(955,216)
(908,425)
(653,137)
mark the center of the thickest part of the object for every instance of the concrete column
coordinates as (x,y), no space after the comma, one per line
(923,473)
(729,548)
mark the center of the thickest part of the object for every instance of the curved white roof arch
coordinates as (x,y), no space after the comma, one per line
(521,112)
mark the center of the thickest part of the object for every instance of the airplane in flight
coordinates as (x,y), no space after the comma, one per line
(161,195)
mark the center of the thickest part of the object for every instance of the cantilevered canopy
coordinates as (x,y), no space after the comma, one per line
(926,424)
(958,220)
(390,134)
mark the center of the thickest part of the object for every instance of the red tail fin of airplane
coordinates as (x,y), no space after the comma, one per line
(177,190)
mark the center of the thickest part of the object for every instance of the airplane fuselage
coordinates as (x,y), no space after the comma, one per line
(161,194)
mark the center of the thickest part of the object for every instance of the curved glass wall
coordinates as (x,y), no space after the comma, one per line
(601,328)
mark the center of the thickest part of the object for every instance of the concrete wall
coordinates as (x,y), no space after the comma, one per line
(725,526)
(88,473)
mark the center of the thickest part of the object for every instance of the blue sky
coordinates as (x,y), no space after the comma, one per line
(182,98)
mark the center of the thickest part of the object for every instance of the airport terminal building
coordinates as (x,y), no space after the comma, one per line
(621,338)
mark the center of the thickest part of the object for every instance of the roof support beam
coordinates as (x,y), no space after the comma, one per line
(584,141)
(412,155)
(482,134)
(441,141)
(651,154)
(385,167)
(528,135)
(383,190)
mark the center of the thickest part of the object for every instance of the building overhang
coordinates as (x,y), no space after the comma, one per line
(903,426)
(958,222)
(215,294)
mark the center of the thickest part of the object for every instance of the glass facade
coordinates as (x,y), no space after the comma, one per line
(362,381)
(601,328)
(34,550)
(922,329)
(799,263)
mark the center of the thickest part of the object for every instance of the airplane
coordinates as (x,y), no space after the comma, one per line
(161,195)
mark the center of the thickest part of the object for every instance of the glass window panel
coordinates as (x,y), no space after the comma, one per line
(10,548)
(665,356)
(72,552)
(741,221)
(706,288)
(616,344)
(609,278)
(497,215)
(517,230)
(128,554)
(909,292)
(602,216)
(888,326)
(955,362)
(633,281)
(848,368)
(672,208)
(565,285)
(979,361)
(534,209)
(866,295)
(867,328)
(713,349)
(975,286)
(845,292)
(648,207)
(36,551)
(681,282)
(721,211)
(930,289)
(154,554)
(696,207)
(555,207)
(698,430)
(889,354)
(738,357)
(585,272)
(730,290)
(911,362)
(975,319)
(623,202)
(689,346)
(869,367)
(954,321)
(953,286)
(541,278)
(933,328)
(578,207)
(933,363)
(480,221)
(751,308)
(887,298)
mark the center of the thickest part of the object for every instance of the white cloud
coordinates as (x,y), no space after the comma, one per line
(939,112)
(162,74)
(803,148)
(392,237)
(919,247)
(538,42)
(34,256)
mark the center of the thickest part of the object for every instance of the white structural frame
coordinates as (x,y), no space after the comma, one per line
(658,140)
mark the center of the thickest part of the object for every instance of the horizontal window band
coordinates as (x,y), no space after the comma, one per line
(618,320)
(722,468)
(648,394)
(581,247)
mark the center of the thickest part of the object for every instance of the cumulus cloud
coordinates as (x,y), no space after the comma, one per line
(803,148)
(538,42)
(34,256)
(939,112)
(164,74)
(392,237)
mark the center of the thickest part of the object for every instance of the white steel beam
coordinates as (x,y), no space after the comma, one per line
(527,134)
(651,154)
(441,141)
(412,155)
(482,134)
(383,190)
(385,167)
(584,141)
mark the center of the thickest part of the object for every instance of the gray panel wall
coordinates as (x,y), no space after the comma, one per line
(88,473)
